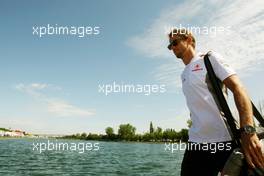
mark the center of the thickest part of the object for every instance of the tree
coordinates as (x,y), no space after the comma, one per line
(92,136)
(78,135)
(173,135)
(109,132)
(151,129)
(166,134)
(189,123)
(184,135)
(83,135)
(158,134)
(126,132)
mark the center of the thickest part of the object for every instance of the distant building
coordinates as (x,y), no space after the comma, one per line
(15,133)
(2,133)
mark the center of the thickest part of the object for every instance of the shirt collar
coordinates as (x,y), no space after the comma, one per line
(196,56)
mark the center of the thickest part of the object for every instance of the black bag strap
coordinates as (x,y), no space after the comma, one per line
(222,101)
(257,115)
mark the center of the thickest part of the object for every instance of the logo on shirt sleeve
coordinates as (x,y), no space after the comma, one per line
(197,67)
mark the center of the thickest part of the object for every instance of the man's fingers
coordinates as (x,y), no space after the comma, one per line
(255,158)
(259,154)
(249,160)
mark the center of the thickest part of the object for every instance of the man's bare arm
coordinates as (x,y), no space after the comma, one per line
(250,142)
(241,98)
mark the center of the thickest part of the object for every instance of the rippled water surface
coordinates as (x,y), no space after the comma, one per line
(17,157)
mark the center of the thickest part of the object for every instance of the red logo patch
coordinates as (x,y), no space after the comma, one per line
(197,68)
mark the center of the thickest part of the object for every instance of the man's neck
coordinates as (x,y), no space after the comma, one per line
(188,55)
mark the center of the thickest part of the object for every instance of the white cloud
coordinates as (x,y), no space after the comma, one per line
(242,46)
(55,106)
(39,86)
(63,109)
(35,89)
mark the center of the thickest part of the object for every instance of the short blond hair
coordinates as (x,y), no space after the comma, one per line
(182,34)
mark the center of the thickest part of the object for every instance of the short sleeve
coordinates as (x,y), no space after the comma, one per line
(221,68)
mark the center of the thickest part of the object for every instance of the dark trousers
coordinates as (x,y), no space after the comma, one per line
(205,162)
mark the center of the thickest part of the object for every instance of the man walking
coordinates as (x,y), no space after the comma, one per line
(208,126)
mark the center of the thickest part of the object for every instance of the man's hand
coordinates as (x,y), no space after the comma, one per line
(251,147)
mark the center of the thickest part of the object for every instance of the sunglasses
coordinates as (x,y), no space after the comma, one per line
(173,43)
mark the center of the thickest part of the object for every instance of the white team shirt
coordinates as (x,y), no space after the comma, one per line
(207,123)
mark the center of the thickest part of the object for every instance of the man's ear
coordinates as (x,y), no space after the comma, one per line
(189,39)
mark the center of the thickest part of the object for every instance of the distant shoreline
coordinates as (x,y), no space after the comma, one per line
(125,133)
(119,141)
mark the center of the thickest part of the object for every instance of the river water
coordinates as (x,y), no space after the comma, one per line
(47,157)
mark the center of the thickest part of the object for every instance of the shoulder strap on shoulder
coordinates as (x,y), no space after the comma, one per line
(222,101)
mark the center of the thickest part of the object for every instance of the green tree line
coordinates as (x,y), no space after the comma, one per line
(127,132)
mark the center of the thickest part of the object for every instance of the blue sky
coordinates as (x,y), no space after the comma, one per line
(50,84)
